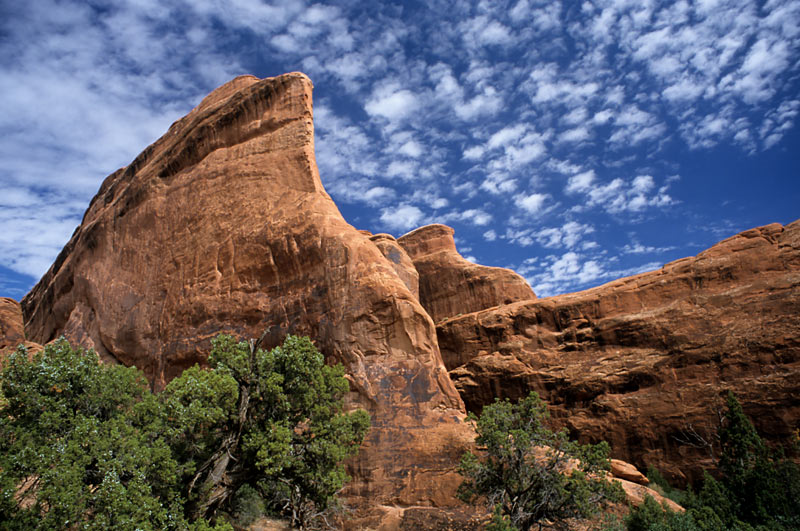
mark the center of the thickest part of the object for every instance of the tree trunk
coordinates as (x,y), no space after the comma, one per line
(220,483)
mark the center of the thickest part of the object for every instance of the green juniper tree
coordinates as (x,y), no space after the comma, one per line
(758,488)
(85,445)
(272,420)
(80,446)
(529,475)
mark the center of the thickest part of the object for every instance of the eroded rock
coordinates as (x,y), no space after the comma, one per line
(12,328)
(400,260)
(643,361)
(450,285)
(222,225)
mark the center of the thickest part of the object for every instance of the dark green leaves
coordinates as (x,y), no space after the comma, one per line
(78,439)
(88,445)
(528,473)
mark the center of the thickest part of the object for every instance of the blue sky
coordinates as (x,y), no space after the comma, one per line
(575,142)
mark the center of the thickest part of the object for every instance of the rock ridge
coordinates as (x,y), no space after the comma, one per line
(450,285)
(223,225)
(642,361)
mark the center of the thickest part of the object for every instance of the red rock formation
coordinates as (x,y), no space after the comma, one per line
(449,285)
(642,361)
(12,329)
(223,225)
(400,260)
(628,472)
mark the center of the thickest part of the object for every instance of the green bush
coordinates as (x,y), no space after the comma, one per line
(757,489)
(529,474)
(85,444)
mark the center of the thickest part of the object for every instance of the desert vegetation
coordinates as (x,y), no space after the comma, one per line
(89,446)
(530,476)
(756,488)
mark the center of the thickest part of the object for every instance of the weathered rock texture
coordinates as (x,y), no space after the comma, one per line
(643,361)
(450,285)
(12,328)
(223,225)
(400,260)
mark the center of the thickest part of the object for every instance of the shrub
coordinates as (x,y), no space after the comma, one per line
(529,474)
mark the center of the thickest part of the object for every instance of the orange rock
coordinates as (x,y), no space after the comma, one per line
(642,361)
(12,334)
(400,261)
(12,329)
(222,225)
(636,494)
(450,285)
(628,472)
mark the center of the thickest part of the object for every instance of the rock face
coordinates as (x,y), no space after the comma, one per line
(400,260)
(642,362)
(223,225)
(12,329)
(449,285)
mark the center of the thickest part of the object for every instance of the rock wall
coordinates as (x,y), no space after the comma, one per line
(642,362)
(400,260)
(450,285)
(222,225)
(12,328)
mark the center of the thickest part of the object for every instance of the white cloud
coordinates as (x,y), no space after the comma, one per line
(474,152)
(567,236)
(411,148)
(619,196)
(402,217)
(580,182)
(637,248)
(506,136)
(577,134)
(571,271)
(391,102)
(532,204)
(473,216)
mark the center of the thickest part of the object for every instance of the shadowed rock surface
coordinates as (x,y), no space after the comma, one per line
(451,285)
(222,225)
(642,362)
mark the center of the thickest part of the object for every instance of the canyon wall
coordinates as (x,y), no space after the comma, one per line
(222,225)
(643,362)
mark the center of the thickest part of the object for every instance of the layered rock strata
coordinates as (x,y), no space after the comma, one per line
(642,362)
(222,225)
(449,284)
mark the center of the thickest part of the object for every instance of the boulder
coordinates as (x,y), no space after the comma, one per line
(223,225)
(628,472)
(643,362)
(450,285)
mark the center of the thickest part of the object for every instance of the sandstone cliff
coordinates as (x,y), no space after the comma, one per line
(222,225)
(12,329)
(451,285)
(641,362)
